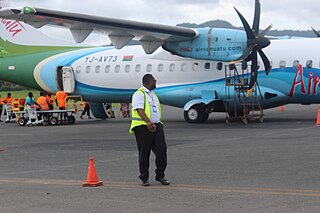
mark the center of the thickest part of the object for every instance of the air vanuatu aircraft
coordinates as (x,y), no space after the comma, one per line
(194,68)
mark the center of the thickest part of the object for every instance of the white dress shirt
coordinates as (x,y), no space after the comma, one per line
(138,103)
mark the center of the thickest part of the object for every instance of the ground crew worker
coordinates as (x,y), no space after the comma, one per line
(43,103)
(148,129)
(61,99)
(1,107)
(86,109)
(8,101)
(50,100)
(30,100)
(61,102)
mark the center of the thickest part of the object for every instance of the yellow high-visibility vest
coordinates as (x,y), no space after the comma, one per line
(136,120)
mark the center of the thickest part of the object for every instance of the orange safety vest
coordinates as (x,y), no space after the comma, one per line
(1,102)
(61,98)
(7,100)
(42,101)
(49,100)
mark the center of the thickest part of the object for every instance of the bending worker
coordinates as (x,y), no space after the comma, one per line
(147,127)
(43,102)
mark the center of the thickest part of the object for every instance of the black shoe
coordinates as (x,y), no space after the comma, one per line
(81,117)
(89,117)
(163,181)
(0,120)
(145,183)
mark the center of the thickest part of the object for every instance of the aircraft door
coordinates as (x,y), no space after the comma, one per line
(66,79)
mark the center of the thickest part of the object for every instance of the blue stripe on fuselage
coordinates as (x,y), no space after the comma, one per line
(48,70)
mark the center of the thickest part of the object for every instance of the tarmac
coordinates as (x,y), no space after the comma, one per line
(272,166)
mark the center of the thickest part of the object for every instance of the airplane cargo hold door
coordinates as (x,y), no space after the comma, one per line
(66,77)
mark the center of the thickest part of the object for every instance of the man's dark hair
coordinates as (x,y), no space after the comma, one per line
(146,78)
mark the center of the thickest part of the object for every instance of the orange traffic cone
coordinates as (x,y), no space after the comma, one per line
(318,117)
(281,108)
(92,178)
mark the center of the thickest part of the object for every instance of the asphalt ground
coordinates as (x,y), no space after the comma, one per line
(272,166)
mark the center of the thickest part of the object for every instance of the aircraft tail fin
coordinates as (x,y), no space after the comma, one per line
(17,38)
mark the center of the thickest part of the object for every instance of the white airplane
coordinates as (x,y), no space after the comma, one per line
(191,65)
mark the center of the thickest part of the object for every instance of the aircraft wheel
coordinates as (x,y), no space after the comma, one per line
(71,119)
(195,114)
(53,121)
(22,121)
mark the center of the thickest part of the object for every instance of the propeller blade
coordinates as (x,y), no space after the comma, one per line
(263,33)
(266,61)
(246,53)
(316,32)
(249,32)
(256,19)
(254,72)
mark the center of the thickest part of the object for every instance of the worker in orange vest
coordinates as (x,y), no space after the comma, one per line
(1,106)
(86,109)
(61,102)
(61,99)
(42,101)
(8,101)
(50,100)
(44,105)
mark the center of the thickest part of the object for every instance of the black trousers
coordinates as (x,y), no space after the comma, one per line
(86,110)
(1,106)
(147,141)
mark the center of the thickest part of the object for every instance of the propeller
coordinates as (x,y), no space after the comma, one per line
(255,43)
(316,32)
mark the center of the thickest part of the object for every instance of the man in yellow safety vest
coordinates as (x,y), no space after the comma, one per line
(148,129)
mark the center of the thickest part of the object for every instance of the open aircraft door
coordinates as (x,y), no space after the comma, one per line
(66,79)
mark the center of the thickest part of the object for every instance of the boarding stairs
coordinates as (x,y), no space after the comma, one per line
(238,105)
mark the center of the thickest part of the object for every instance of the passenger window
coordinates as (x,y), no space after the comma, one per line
(309,64)
(195,67)
(127,68)
(219,66)
(149,67)
(172,67)
(295,64)
(117,68)
(183,67)
(88,68)
(97,69)
(207,66)
(160,67)
(282,64)
(107,69)
(138,68)
(78,70)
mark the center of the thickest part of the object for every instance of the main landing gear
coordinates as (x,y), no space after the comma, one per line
(196,114)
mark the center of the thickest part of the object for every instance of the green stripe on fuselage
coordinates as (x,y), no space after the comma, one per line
(17,62)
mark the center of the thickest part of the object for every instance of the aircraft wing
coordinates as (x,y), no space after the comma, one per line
(119,31)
